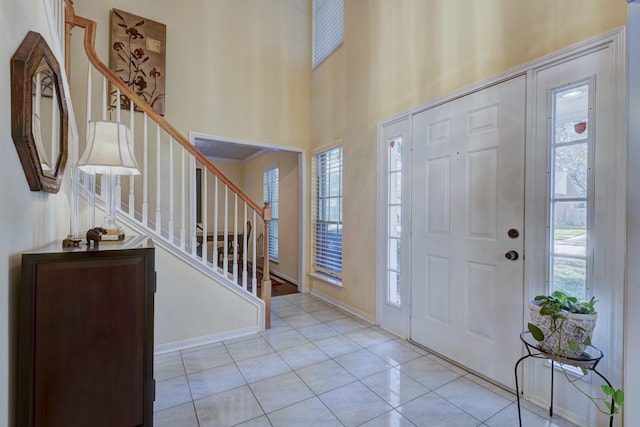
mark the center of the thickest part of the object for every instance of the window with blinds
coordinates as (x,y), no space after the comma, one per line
(327,212)
(270,181)
(328,28)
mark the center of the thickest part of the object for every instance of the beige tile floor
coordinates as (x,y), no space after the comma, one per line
(320,366)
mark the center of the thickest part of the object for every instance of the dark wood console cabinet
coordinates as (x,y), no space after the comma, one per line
(85,338)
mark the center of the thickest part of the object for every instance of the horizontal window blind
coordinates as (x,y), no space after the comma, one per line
(327,212)
(271,184)
(328,28)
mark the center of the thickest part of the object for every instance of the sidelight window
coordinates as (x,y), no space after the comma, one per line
(571,190)
(394,218)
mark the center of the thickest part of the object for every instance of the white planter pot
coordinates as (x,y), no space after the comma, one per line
(574,328)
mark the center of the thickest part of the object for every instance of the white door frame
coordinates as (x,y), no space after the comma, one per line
(632,344)
(393,318)
(534,266)
(302,191)
(602,66)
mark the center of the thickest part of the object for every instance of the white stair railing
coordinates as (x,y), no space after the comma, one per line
(164,198)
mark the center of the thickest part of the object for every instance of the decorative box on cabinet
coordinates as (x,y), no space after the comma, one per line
(86,335)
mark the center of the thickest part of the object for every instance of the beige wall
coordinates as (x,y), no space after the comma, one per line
(27,219)
(189,306)
(397,55)
(235,68)
(288,235)
(249,177)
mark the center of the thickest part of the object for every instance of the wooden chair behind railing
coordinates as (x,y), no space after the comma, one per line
(235,249)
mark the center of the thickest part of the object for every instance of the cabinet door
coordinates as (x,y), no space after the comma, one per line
(89,352)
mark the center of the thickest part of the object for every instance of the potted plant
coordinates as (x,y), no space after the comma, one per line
(564,326)
(561,324)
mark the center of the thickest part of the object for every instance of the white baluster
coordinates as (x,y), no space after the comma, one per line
(235,237)
(145,172)
(118,104)
(118,195)
(91,179)
(61,25)
(225,246)
(193,203)
(105,99)
(171,239)
(205,216)
(245,243)
(215,217)
(103,110)
(158,186)
(254,276)
(183,203)
(132,199)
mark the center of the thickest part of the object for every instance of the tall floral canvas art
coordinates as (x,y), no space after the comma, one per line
(138,56)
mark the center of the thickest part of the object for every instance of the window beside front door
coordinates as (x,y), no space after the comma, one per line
(570,193)
(394,219)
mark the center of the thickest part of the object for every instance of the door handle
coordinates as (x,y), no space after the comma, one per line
(511,255)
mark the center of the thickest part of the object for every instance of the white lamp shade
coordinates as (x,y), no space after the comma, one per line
(108,150)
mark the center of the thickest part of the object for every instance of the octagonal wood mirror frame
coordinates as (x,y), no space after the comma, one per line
(32,58)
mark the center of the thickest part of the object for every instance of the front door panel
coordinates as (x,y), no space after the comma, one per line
(467,194)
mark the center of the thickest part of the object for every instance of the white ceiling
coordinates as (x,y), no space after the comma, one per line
(227,151)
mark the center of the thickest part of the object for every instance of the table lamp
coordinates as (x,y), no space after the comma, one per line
(109,151)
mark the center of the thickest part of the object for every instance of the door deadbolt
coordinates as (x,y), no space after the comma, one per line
(511,255)
(513,233)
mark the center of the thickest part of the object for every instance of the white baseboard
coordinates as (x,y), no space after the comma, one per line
(203,340)
(343,306)
(237,333)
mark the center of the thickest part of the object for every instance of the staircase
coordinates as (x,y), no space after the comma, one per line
(162,201)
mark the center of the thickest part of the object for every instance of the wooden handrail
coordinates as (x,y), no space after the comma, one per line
(89,27)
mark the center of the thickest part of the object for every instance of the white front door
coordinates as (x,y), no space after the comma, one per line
(467,228)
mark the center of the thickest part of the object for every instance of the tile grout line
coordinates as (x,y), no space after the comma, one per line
(342,332)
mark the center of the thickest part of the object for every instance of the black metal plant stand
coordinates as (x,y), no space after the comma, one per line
(588,359)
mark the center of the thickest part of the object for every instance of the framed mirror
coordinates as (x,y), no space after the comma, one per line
(39,117)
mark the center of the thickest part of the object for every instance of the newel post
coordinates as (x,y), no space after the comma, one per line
(266,279)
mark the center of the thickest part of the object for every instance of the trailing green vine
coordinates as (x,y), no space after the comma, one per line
(557,306)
